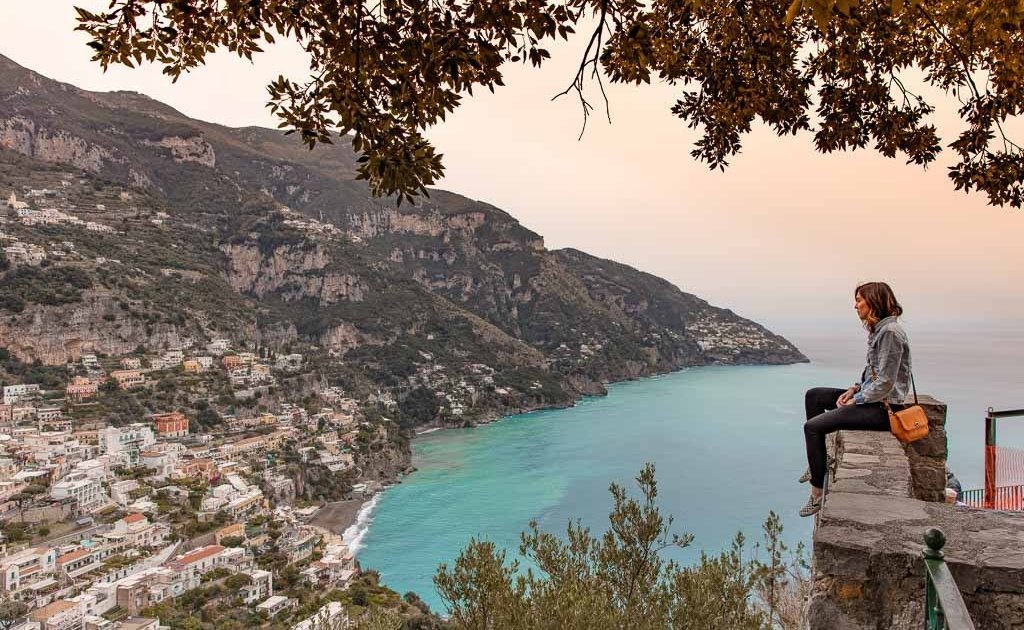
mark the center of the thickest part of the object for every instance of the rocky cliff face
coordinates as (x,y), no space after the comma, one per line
(55,336)
(292,272)
(194,149)
(21,135)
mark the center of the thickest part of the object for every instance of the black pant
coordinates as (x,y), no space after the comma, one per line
(821,422)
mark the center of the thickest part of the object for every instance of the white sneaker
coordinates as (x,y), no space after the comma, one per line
(812,507)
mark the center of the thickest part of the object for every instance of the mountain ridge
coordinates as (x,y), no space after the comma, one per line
(245,233)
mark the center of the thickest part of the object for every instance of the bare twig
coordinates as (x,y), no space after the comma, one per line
(592,56)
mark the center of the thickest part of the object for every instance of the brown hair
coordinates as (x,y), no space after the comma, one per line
(881,300)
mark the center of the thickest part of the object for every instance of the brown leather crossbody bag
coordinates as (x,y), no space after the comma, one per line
(910,424)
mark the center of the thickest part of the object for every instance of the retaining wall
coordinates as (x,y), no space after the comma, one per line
(868,572)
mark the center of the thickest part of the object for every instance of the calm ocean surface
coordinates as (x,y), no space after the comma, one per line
(726,441)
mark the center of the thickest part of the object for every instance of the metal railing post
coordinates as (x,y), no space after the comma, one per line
(990,459)
(944,606)
(933,618)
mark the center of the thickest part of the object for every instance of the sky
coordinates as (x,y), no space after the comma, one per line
(782,236)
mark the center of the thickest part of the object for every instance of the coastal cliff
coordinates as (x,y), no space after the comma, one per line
(442,313)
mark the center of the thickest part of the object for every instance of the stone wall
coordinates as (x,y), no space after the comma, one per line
(868,572)
(927,457)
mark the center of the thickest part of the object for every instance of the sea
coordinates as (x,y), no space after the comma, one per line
(726,442)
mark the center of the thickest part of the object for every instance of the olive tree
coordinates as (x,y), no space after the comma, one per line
(11,612)
(619,579)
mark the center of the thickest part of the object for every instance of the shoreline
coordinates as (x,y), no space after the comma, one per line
(487,419)
(349,519)
(491,418)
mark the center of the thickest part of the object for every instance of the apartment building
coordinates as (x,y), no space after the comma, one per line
(171,425)
(127,442)
(48,414)
(260,587)
(80,388)
(59,615)
(131,363)
(135,530)
(78,486)
(78,562)
(128,379)
(19,570)
(16,393)
(194,565)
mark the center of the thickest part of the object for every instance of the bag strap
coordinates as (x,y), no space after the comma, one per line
(913,386)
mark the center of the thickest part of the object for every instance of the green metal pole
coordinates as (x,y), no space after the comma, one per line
(933,617)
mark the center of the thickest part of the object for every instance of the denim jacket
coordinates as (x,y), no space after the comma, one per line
(889,355)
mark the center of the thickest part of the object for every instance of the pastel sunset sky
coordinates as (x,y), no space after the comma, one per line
(782,236)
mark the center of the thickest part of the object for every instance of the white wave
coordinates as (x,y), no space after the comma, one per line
(353,536)
(429,431)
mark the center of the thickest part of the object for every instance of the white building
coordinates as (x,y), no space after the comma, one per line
(59,615)
(135,530)
(163,462)
(195,564)
(97,468)
(126,443)
(19,570)
(88,492)
(131,363)
(17,393)
(331,615)
(275,604)
(218,346)
(260,587)
(173,357)
(28,253)
(45,414)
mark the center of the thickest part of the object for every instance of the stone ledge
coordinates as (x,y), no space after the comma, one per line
(868,571)
(871,463)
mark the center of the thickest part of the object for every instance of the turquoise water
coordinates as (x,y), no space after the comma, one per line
(726,441)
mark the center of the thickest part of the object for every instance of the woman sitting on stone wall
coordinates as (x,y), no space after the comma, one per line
(886,377)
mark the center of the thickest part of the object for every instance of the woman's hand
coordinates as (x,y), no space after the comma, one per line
(846,398)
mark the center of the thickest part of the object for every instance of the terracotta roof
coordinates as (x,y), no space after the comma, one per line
(134,518)
(73,555)
(228,530)
(52,609)
(200,554)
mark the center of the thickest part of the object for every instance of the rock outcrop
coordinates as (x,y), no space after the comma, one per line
(21,135)
(194,149)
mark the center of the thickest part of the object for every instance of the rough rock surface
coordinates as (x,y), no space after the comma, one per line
(55,337)
(194,149)
(24,136)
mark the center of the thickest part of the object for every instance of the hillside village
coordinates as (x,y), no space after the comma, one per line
(106,523)
(100,523)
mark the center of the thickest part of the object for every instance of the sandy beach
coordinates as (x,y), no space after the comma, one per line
(337,516)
